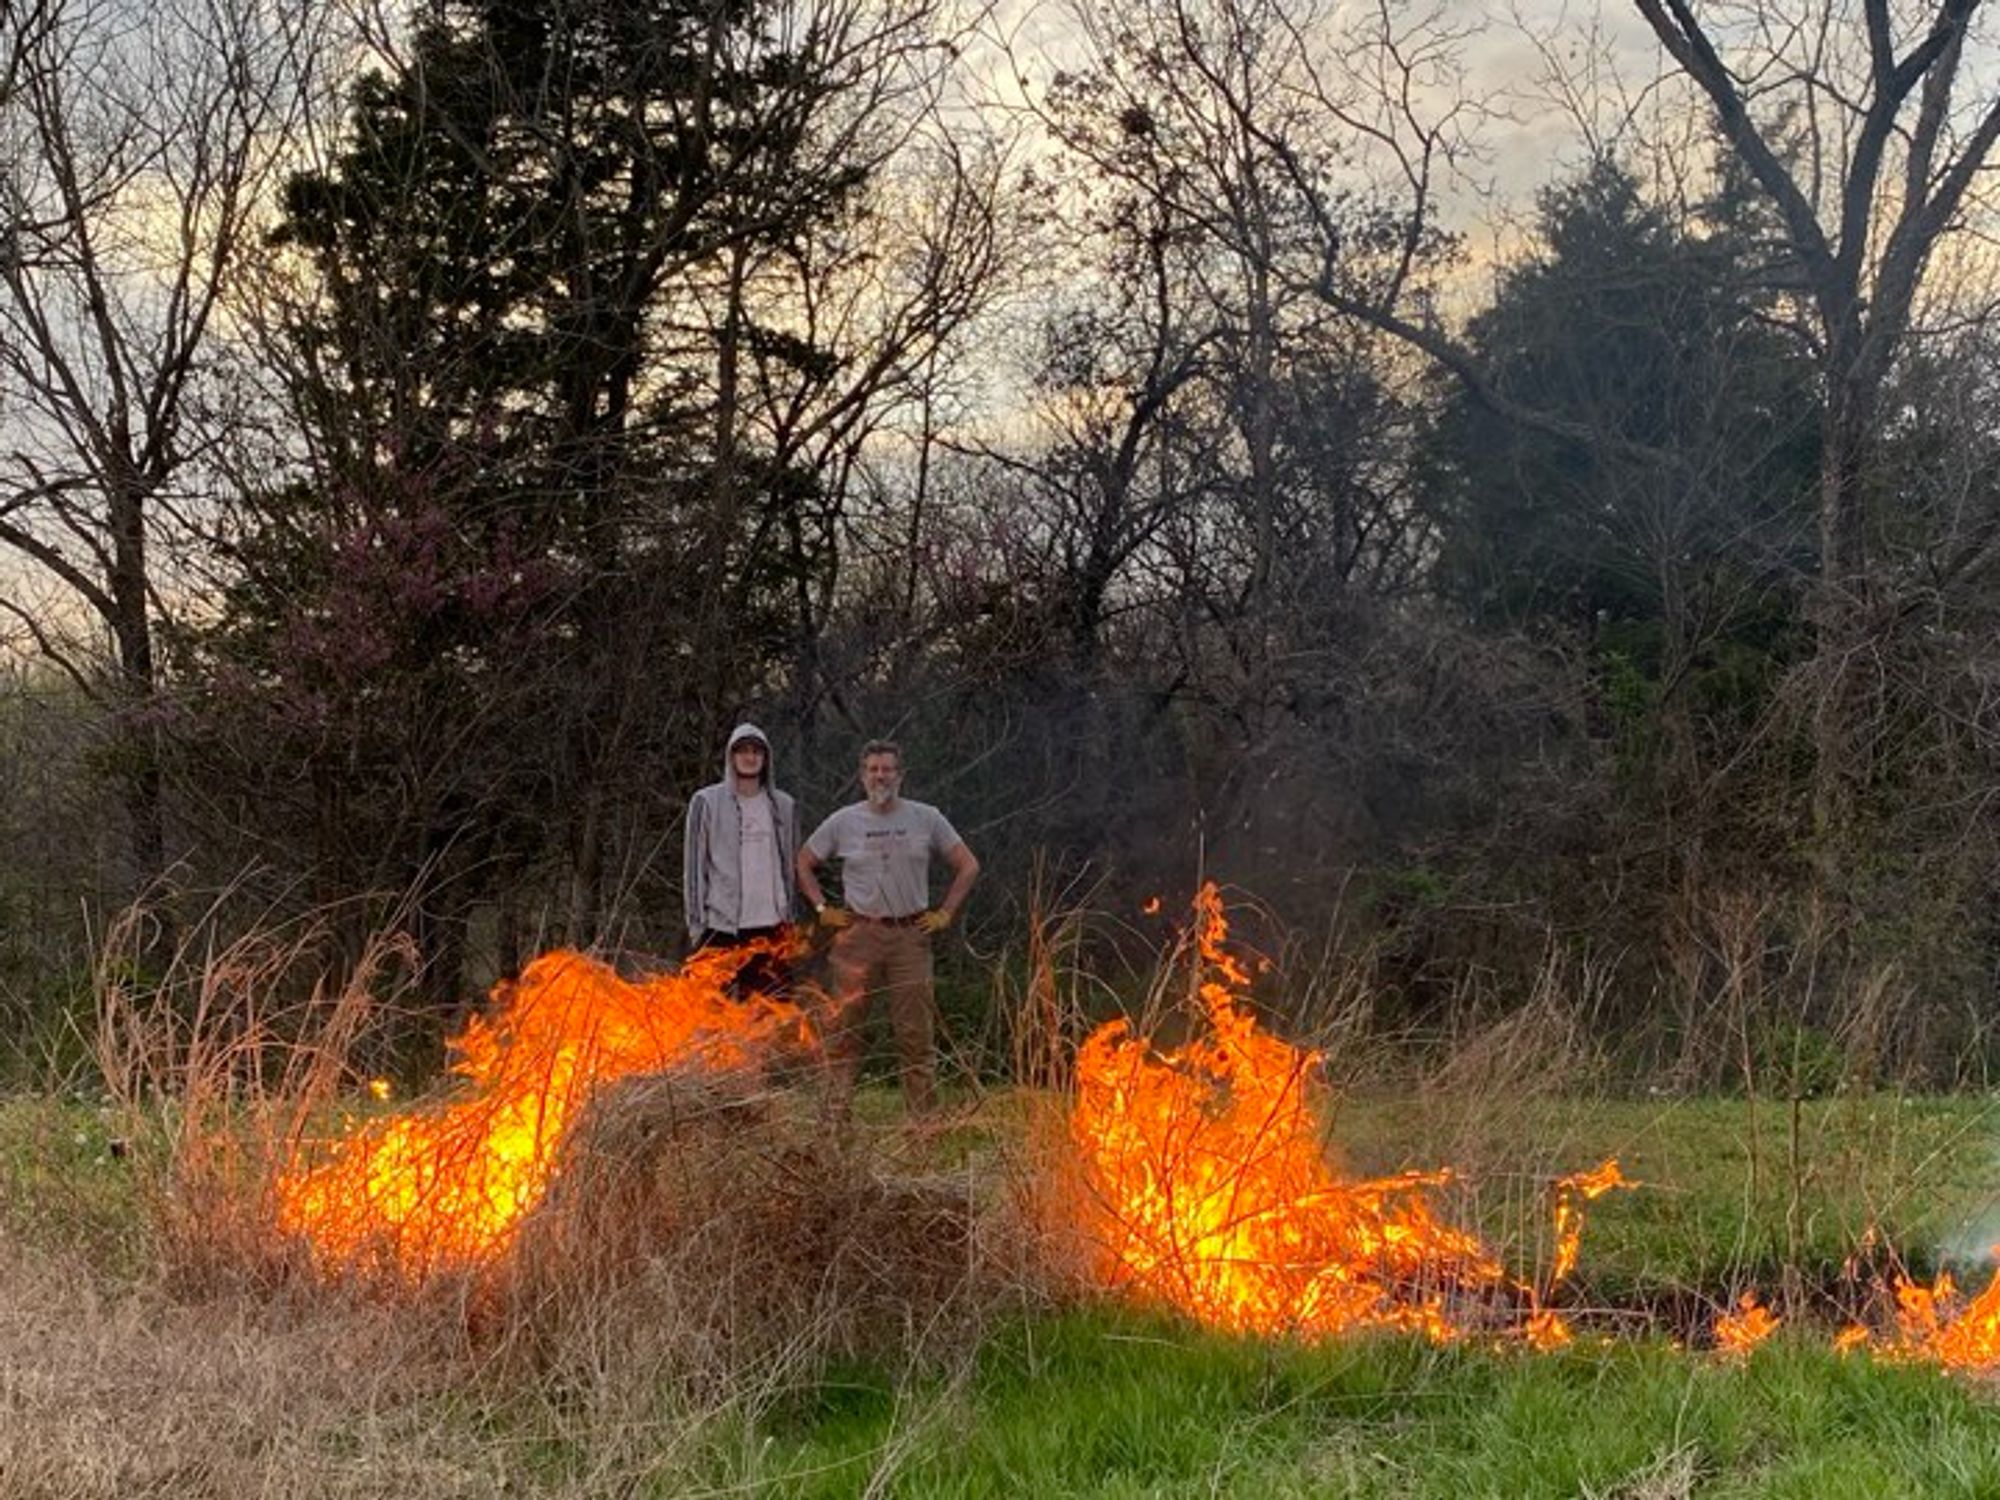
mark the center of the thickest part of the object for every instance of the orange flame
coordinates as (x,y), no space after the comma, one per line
(447,1187)
(1584,1186)
(1201,1182)
(1545,1330)
(1934,1324)
(1737,1333)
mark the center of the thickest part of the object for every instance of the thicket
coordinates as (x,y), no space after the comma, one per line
(396,539)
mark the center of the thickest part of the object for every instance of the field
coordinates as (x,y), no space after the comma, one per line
(119,1380)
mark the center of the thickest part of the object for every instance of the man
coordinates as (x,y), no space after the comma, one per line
(884,844)
(742,837)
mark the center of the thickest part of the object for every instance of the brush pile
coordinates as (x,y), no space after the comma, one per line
(682,1202)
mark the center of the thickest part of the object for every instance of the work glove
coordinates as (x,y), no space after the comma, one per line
(934,921)
(835,918)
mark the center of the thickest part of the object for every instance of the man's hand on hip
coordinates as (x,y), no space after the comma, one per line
(934,921)
(835,918)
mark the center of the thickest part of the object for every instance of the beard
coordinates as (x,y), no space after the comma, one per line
(881,796)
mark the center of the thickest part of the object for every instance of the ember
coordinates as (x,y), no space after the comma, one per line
(1737,1333)
(446,1187)
(1545,1330)
(1202,1183)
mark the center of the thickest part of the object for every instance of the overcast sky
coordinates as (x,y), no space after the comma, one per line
(1535,65)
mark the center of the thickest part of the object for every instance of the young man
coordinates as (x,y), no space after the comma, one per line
(742,838)
(884,844)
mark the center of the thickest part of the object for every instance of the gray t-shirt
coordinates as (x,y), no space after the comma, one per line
(885,857)
(762,901)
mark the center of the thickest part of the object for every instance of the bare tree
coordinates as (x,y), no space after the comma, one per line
(135,143)
(1863,127)
(1216,173)
(1110,365)
(1868,137)
(851,341)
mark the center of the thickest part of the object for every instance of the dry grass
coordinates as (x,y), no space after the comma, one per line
(763,1241)
(218,1068)
(117,1391)
(708,1249)
(707,1256)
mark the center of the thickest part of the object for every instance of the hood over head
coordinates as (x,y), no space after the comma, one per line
(748,731)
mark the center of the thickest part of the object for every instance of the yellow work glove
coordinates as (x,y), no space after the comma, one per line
(834,918)
(934,921)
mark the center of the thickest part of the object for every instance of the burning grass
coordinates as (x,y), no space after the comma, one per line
(611,1227)
(132,1395)
(604,1244)
(107,1389)
(610,1146)
(606,1180)
(1198,1176)
(621,1127)
(446,1188)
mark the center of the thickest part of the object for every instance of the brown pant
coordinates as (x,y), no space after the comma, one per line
(873,958)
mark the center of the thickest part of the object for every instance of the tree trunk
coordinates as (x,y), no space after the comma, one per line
(144,795)
(1841,621)
(586,881)
(1260,439)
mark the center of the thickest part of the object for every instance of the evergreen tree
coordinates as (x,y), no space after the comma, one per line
(1648,333)
(534,560)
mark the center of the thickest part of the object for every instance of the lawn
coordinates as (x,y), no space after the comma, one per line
(1732,1191)
(1109,1405)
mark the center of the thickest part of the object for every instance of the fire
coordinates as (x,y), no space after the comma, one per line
(1737,1333)
(446,1187)
(1587,1187)
(1934,1324)
(1545,1330)
(1201,1182)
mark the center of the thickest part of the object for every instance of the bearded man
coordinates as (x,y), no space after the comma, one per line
(884,926)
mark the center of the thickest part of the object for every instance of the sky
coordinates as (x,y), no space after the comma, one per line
(1545,78)
(1511,50)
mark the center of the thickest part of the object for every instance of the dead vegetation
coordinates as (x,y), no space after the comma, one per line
(707,1254)
(117,1391)
(751,1231)
(707,1248)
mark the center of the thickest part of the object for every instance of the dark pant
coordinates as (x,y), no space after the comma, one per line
(768,973)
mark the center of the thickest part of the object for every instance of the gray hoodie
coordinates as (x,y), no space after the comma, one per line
(712,850)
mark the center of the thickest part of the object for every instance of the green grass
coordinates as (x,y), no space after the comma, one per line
(1108,1405)
(63,1183)
(1732,1190)
(1119,1404)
